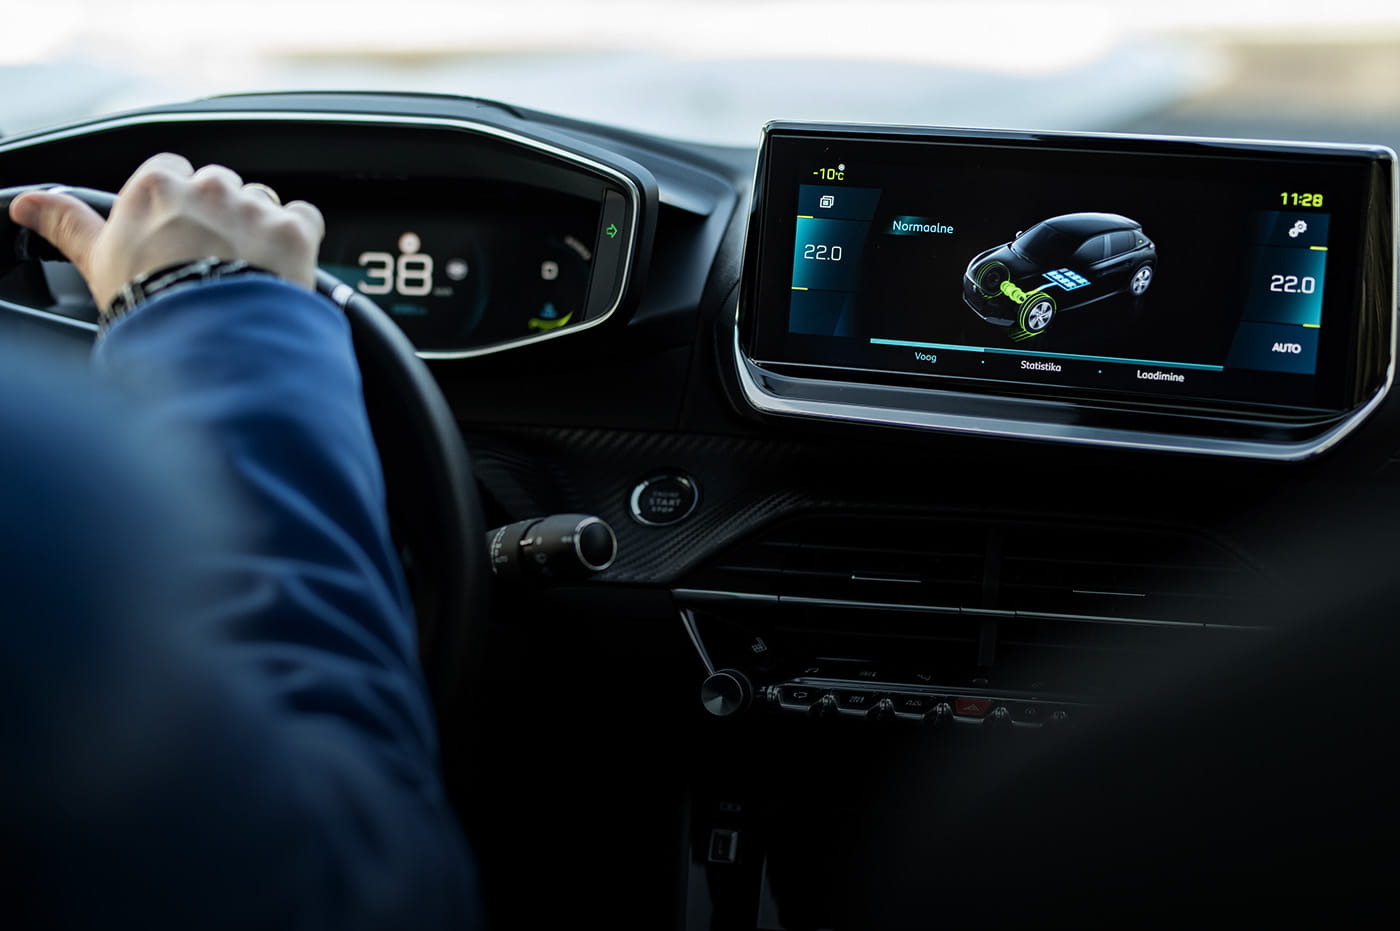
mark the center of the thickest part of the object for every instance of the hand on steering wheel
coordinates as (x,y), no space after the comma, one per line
(168,213)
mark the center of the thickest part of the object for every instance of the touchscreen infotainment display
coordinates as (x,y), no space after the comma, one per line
(1204,274)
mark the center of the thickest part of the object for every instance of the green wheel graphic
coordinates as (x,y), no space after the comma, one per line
(1036,313)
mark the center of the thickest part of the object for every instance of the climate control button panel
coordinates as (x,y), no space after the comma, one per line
(881,702)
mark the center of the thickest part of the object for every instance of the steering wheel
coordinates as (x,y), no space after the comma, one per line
(434,510)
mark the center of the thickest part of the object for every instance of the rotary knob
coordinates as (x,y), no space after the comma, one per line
(726,692)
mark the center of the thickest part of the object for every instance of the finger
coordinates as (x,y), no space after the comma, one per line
(263,190)
(165,165)
(168,161)
(217,181)
(310,216)
(71,225)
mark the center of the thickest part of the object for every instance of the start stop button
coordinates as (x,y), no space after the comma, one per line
(664,499)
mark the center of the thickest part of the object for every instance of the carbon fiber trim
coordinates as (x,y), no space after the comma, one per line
(744,484)
(747,483)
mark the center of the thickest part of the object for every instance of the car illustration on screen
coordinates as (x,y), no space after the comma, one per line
(1059,264)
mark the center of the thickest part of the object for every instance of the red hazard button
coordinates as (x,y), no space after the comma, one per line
(972,707)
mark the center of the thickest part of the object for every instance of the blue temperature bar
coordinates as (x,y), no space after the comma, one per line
(1046,355)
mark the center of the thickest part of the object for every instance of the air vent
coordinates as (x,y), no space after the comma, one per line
(1032,568)
(1119,572)
(889,561)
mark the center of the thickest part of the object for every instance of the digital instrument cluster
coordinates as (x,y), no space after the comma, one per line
(478,268)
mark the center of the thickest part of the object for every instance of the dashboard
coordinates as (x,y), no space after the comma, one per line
(894,433)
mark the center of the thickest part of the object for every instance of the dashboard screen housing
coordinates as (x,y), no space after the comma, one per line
(461,266)
(1207,278)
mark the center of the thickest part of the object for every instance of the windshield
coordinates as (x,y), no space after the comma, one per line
(1045,246)
(716,71)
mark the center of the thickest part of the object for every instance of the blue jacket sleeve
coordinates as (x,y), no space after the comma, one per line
(324,768)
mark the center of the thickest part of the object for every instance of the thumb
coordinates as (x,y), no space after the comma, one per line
(71,225)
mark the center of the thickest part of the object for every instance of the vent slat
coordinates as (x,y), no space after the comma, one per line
(1034,566)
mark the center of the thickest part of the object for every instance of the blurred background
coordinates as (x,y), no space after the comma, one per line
(715,71)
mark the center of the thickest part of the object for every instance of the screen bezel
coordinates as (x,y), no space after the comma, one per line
(494,223)
(1359,367)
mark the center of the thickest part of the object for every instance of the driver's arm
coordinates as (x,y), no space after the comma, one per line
(310,753)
